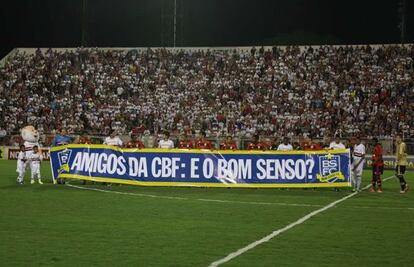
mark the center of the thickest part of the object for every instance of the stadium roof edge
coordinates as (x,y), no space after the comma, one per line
(6,57)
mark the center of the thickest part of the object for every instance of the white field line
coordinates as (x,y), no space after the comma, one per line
(266,238)
(257,203)
(197,199)
(378,207)
(231,201)
(235,201)
(124,193)
(284,229)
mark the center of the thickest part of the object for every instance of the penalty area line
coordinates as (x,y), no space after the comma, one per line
(284,229)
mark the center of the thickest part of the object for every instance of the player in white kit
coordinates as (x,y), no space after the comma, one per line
(336,144)
(166,142)
(35,159)
(113,140)
(285,146)
(358,156)
(21,164)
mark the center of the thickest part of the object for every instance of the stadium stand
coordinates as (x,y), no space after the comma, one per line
(289,91)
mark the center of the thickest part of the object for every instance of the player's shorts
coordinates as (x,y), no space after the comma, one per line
(400,169)
(377,169)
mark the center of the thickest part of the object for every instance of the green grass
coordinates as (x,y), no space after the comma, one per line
(55,225)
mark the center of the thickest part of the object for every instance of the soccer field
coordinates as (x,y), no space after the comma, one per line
(96,225)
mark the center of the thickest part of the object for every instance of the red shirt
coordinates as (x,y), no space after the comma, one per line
(135,144)
(188,144)
(312,146)
(204,144)
(228,146)
(377,159)
(84,140)
(262,146)
(258,146)
(251,146)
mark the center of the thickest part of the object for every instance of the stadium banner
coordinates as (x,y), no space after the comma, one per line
(2,156)
(11,153)
(389,162)
(203,168)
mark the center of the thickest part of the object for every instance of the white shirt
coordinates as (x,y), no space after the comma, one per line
(284,147)
(29,145)
(166,144)
(35,158)
(359,151)
(116,141)
(22,155)
(335,145)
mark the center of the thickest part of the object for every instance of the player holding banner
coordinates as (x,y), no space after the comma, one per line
(358,156)
(61,138)
(203,143)
(228,144)
(134,142)
(336,144)
(166,142)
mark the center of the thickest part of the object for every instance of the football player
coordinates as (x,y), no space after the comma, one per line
(401,161)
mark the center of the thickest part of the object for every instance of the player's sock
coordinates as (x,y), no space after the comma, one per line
(407,187)
(373,184)
(353,182)
(402,182)
(379,182)
(358,183)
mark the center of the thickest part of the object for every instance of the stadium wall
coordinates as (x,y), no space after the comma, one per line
(31,50)
(10,153)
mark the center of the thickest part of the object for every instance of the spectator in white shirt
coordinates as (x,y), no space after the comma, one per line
(113,140)
(166,142)
(3,133)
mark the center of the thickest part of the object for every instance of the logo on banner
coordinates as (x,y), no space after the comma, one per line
(64,157)
(330,169)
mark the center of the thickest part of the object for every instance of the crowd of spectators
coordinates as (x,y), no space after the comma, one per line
(308,91)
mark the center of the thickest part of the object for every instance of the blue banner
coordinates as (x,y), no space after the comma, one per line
(204,168)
